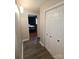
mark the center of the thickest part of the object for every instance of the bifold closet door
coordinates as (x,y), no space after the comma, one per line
(54,35)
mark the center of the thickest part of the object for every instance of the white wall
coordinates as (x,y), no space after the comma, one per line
(45,6)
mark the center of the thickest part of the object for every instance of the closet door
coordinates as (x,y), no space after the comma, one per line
(54,35)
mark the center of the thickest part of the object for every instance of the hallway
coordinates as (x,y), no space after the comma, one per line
(33,50)
(44,38)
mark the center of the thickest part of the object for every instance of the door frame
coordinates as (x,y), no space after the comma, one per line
(34,14)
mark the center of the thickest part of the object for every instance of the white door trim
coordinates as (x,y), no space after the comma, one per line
(54,6)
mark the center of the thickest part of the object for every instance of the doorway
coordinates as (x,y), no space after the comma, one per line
(32,22)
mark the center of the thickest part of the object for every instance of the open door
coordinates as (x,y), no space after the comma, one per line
(32,22)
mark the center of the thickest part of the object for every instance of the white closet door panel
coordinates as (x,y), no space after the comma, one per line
(55,30)
(48,41)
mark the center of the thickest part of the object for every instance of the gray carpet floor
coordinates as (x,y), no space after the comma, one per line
(33,50)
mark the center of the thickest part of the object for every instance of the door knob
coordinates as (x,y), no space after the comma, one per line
(58,40)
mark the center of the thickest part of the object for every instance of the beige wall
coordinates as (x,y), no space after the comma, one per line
(24,27)
(45,6)
(24,23)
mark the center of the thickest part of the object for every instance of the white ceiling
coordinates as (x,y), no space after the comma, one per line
(31,4)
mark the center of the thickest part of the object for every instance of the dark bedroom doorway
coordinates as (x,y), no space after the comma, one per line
(32,22)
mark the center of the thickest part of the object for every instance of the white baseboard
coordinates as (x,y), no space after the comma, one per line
(59,56)
(25,40)
(41,43)
(22,50)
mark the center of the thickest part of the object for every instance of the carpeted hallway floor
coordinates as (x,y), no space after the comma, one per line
(33,50)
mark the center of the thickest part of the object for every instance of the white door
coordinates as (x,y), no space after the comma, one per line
(54,38)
